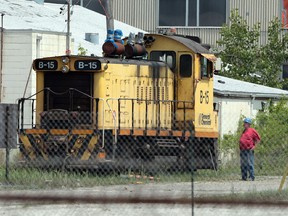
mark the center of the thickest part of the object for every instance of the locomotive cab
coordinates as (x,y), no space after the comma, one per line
(193,68)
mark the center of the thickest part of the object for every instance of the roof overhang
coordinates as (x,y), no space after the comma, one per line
(210,57)
(229,94)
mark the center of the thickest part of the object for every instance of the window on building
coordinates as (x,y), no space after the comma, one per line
(212,13)
(285,72)
(186,66)
(192,12)
(172,9)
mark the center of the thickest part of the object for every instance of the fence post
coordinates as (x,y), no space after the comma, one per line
(7,144)
(192,167)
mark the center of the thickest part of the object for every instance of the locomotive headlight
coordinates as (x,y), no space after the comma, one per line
(38,141)
(65,69)
(65,60)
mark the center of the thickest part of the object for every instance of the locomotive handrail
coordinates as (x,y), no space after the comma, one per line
(103,119)
(150,100)
(83,93)
(21,111)
(115,128)
(147,101)
(57,93)
(21,102)
(32,95)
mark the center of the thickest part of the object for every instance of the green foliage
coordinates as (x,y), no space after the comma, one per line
(271,153)
(227,143)
(245,59)
(82,51)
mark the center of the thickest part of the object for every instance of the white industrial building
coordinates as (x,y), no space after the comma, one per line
(19,50)
(35,30)
(195,17)
(234,98)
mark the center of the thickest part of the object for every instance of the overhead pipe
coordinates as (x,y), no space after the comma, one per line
(135,49)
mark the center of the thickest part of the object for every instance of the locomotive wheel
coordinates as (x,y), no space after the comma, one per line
(186,161)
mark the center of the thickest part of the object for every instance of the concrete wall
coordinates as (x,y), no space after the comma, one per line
(20,48)
(17,57)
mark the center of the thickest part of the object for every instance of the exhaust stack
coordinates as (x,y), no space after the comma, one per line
(113,44)
(107,6)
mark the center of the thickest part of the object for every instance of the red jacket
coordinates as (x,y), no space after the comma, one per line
(248,139)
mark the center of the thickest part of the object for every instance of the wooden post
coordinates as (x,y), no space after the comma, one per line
(283,179)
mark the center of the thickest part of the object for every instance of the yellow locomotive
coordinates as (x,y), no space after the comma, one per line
(145,99)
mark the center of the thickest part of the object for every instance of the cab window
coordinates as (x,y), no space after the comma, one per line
(186,66)
(169,57)
(206,67)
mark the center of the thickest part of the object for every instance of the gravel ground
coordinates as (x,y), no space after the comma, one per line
(170,190)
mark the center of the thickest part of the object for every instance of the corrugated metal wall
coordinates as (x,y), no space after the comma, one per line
(207,35)
(138,13)
(255,11)
(258,11)
(144,14)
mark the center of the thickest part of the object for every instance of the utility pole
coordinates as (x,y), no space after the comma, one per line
(1,56)
(68,51)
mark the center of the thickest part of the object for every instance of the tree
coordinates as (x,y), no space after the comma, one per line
(82,51)
(245,59)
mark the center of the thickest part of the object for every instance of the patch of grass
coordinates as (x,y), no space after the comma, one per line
(41,179)
(32,178)
(28,178)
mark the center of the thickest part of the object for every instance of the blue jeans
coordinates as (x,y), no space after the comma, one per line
(247,163)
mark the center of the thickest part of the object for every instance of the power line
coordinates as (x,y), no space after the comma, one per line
(88,4)
(100,1)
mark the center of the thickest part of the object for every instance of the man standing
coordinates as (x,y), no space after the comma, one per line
(248,141)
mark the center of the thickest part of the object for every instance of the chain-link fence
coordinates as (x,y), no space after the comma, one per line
(145,162)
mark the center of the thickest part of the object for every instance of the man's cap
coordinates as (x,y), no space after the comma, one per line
(248,120)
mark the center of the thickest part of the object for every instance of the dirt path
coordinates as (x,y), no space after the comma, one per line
(170,190)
